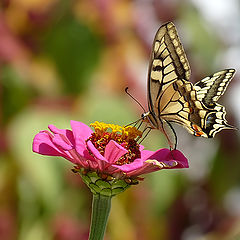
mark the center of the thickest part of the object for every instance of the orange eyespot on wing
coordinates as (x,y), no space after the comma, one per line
(197,130)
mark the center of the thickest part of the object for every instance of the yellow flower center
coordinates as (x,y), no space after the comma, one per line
(125,136)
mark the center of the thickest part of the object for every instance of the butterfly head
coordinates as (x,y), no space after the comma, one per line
(145,115)
(148,117)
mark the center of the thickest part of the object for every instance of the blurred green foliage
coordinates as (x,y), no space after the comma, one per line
(75,50)
(16,94)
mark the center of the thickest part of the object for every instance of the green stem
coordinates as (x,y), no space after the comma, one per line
(101,206)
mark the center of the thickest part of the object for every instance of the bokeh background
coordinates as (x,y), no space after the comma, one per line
(63,60)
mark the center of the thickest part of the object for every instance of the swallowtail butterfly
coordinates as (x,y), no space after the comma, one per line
(173,98)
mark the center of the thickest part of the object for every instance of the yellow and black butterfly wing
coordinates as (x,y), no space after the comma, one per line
(179,104)
(216,121)
(209,90)
(195,107)
(167,64)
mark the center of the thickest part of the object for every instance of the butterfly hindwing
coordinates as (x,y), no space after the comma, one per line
(211,88)
(179,104)
(216,121)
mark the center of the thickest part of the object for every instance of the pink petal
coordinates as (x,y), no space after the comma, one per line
(114,151)
(141,147)
(65,132)
(81,129)
(136,164)
(165,155)
(159,155)
(95,152)
(98,162)
(61,142)
(81,133)
(179,157)
(77,159)
(42,144)
(171,160)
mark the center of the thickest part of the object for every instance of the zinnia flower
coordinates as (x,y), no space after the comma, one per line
(109,160)
(111,151)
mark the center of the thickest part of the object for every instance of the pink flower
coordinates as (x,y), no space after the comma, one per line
(114,152)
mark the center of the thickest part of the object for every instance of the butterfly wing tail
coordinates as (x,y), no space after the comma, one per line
(216,121)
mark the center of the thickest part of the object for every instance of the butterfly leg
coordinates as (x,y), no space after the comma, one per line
(170,134)
(148,129)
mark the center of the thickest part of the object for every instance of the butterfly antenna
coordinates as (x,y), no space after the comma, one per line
(133,123)
(126,91)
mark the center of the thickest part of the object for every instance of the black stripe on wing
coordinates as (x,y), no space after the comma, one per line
(211,88)
(216,121)
(168,54)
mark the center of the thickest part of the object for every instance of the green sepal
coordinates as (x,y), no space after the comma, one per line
(108,186)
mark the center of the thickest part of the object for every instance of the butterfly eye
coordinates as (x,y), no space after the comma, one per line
(144,115)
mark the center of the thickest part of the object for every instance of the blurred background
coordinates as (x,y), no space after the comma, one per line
(63,60)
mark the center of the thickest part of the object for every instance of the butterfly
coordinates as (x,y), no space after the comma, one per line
(173,98)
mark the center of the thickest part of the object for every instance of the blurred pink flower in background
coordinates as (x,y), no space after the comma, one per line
(67,228)
(7,224)
(11,48)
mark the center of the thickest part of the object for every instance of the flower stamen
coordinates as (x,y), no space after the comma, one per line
(124,136)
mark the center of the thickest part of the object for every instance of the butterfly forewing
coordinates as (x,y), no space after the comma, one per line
(168,61)
(167,64)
